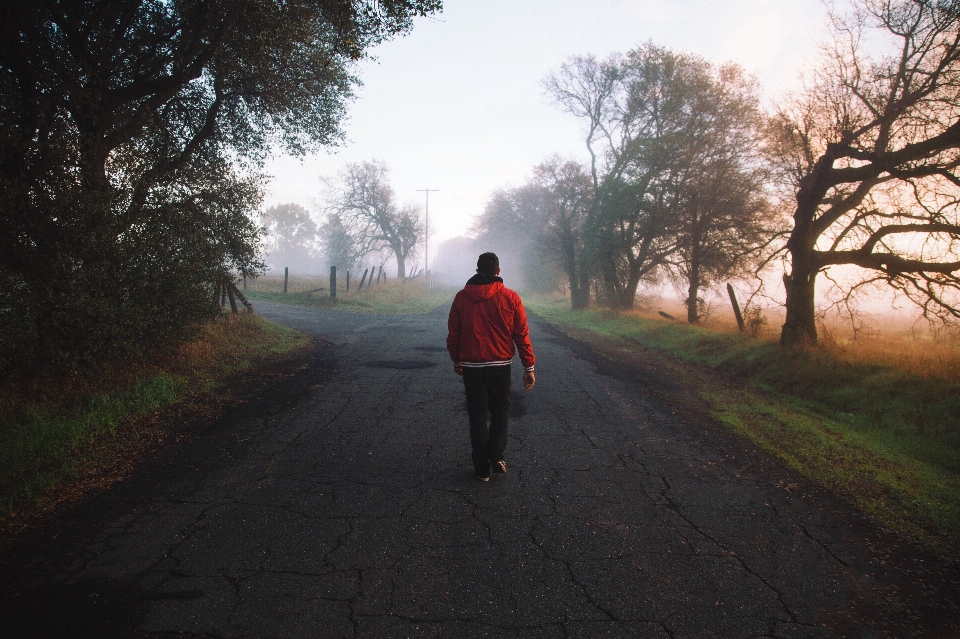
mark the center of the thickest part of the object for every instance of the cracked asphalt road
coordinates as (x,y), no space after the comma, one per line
(346,507)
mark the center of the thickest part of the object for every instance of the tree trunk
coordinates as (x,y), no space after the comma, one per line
(611,283)
(693,291)
(580,293)
(401,266)
(693,316)
(628,295)
(625,300)
(579,283)
(800,327)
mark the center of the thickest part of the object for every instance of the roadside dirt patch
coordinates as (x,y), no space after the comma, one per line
(272,384)
(616,357)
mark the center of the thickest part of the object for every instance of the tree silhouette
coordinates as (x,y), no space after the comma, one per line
(291,237)
(870,153)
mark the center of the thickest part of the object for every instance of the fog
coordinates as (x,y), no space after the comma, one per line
(457,104)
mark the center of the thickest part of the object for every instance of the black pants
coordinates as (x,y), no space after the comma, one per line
(488,389)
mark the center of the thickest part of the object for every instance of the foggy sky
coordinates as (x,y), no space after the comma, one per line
(458,106)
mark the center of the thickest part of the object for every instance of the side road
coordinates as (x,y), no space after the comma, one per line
(342,504)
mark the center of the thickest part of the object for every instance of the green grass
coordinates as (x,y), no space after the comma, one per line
(51,437)
(884,438)
(393,297)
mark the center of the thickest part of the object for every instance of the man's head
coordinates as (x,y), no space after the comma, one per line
(488,264)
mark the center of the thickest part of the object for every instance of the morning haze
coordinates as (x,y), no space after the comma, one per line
(257,253)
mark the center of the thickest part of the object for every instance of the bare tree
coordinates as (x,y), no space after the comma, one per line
(871,151)
(365,202)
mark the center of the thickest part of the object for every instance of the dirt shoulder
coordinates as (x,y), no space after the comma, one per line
(140,446)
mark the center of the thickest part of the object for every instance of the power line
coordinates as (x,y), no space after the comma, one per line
(592,28)
(426,232)
(696,13)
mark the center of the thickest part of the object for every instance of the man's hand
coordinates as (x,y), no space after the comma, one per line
(529,379)
(458,369)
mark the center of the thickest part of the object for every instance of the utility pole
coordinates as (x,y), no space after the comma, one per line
(426,232)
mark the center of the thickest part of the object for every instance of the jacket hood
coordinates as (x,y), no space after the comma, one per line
(482,287)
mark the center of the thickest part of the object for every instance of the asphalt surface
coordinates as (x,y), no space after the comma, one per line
(342,504)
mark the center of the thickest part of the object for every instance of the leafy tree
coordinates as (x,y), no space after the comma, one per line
(633,108)
(291,236)
(337,245)
(870,153)
(723,213)
(131,133)
(365,203)
(664,131)
(565,195)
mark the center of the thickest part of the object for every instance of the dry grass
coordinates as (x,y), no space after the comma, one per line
(387,298)
(295,284)
(921,354)
(229,344)
(891,340)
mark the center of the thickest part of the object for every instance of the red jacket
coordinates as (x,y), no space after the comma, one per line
(485,321)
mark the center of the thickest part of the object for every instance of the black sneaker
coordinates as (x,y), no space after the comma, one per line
(499,467)
(482,477)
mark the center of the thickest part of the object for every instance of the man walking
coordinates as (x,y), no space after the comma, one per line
(486,321)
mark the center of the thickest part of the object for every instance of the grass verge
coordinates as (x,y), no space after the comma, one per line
(885,439)
(50,439)
(393,297)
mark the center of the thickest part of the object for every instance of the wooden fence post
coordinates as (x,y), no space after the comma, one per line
(348,281)
(243,300)
(286,274)
(244,282)
(333,282)
(364,279)
(736,309)
(223,292)
(227,284)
